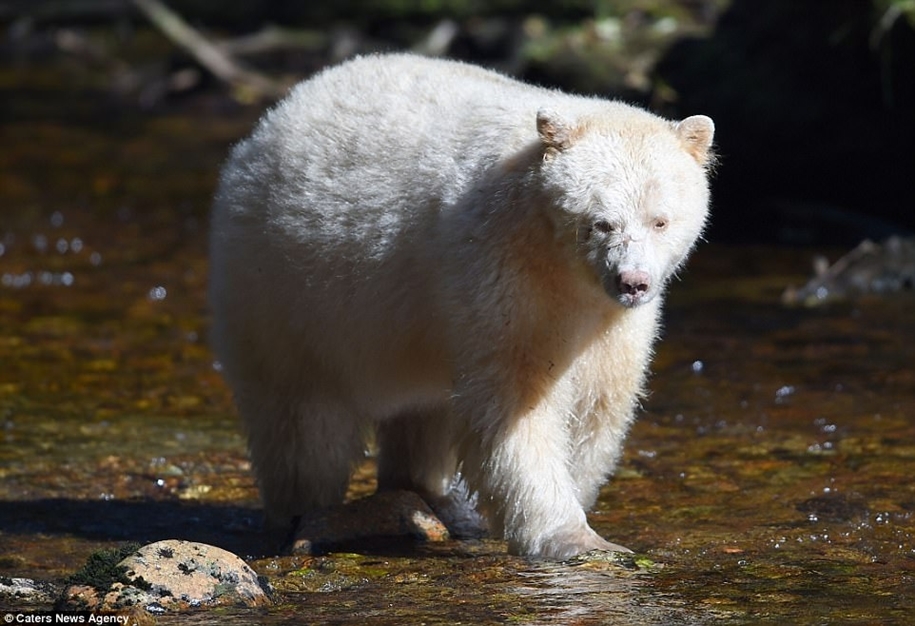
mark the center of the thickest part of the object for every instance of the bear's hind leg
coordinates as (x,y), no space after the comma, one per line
(303,452)
(417,453)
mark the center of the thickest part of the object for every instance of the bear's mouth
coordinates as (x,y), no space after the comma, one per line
(630,301)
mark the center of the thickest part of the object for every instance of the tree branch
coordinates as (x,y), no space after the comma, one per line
(246,81)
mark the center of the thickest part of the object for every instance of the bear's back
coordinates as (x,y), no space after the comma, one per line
(401,118)
(390,114)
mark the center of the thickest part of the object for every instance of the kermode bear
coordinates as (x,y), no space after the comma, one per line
(465,267)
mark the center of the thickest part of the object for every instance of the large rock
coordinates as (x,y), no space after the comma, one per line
(174,575)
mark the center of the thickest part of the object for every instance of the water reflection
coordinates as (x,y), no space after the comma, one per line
(595,593)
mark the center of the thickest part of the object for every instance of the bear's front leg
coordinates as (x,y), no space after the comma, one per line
(520,465)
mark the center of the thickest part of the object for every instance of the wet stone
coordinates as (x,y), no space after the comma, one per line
(24,590)
(385,516)
(174,575)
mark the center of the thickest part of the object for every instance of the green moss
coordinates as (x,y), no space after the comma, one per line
(102,570)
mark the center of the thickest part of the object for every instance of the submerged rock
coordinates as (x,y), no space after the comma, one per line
(173,575)
(868,268)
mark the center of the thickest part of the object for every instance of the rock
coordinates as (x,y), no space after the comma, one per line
(24,589)
(388,515)
(173,575)
(868,268)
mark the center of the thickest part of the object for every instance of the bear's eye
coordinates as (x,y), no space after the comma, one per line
(659,223)
(603,226)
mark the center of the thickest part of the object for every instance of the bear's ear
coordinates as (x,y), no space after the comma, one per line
(696,134)
(555,132)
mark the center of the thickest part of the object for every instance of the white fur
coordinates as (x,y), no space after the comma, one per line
(436,249)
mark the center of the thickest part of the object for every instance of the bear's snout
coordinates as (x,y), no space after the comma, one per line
(632,286)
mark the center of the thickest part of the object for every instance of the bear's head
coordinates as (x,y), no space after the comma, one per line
(632,189)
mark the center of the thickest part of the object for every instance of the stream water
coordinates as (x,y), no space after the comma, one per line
(768,480)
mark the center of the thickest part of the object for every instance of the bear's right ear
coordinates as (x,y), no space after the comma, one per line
(554,131)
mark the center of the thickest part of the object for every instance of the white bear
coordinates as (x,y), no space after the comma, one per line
(468,267)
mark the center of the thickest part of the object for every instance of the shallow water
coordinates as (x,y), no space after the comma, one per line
(768,479)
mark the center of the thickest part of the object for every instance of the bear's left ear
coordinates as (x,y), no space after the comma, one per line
(696,133)
(555,132)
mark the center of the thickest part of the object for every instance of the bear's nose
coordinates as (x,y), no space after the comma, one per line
(633,282)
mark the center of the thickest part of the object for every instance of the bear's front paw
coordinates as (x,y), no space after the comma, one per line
(567,543)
